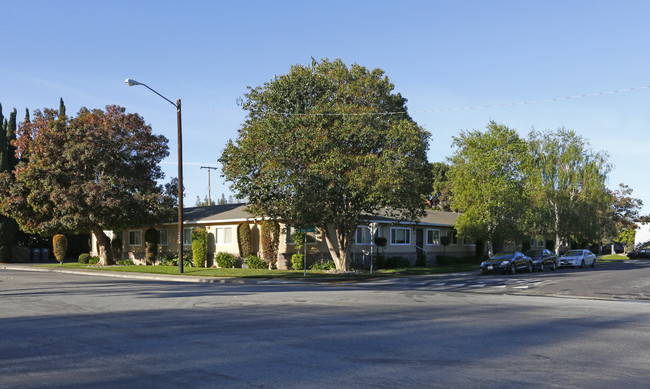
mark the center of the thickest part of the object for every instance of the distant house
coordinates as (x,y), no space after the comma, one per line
(642,233)
(407,239)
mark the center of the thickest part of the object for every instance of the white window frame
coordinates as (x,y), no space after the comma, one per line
(407,236)
(137,233)
(433,242)
(187,232)
(290,230)
(367,233)
(163,232)
(223,234)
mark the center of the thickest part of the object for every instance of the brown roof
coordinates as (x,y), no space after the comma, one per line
(238,213)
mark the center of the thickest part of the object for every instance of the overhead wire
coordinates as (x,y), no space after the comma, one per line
(466,108)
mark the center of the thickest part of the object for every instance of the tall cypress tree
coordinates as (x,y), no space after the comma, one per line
(11,136)
(61,108)
(7,225)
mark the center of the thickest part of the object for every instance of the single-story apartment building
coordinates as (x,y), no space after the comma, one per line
(407,239)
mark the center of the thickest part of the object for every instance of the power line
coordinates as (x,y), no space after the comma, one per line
(467,108)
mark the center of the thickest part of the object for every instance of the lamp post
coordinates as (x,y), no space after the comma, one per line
(131,82)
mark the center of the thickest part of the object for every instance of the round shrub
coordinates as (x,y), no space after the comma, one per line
(254,262)
(60,247)
(297,261)
(84,258)
(226,260)
(94,260)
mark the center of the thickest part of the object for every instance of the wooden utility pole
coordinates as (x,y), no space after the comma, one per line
(209,168)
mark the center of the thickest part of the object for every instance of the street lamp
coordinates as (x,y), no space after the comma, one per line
(131,82)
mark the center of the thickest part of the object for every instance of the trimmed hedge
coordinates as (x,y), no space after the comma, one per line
(270,239)
(60,247)
(200,246)
(297,261)
(225,260)
(151,239)
(254,262)
(244,240)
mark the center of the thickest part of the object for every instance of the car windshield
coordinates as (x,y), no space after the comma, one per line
(573,253)
(533,253)
(502,256)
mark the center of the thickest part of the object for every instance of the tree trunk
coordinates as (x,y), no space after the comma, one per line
(340,252)
(105,252)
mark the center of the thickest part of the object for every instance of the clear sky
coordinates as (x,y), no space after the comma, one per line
(448,58)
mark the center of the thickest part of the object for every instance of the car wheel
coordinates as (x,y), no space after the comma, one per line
(513,269)
(530,267)
(593,264)
(541,266)
(582,264)
(554,266)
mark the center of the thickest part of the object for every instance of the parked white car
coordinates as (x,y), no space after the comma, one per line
(578,258)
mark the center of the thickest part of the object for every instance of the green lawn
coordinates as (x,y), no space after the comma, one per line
(252,273)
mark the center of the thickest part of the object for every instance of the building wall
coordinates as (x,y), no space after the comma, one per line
(642,234)
(316,250)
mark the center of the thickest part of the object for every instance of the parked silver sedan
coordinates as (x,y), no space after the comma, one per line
(578,258)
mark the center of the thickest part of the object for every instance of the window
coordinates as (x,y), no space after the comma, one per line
(187,236)
(163,236)
(312,234)
(400,235)
(453,237)
(135,238)
(433,237)
(364,237)
(223,235)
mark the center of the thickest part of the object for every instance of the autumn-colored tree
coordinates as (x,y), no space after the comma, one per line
(325,144)
(94,172)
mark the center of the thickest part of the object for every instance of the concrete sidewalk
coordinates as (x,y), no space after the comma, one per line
(128,275)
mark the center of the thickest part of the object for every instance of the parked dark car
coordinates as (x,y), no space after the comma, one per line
(543,259)
(639,253)
(507,263)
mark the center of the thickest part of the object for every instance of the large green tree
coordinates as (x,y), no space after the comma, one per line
(440,198)
(323,145)
(570,195)
(488,175)
(93,172)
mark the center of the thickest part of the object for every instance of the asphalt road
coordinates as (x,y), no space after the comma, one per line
(77,331)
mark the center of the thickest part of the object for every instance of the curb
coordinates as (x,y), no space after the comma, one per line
(134,276)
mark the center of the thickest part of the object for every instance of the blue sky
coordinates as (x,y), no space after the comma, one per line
(448,58)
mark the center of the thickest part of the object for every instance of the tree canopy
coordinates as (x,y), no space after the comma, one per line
(488,175)
(324,144)
(93,172)
(571,200)
(550,184)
